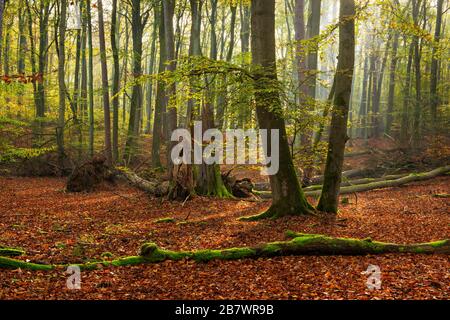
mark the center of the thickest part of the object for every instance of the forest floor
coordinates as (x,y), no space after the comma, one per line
(56,227)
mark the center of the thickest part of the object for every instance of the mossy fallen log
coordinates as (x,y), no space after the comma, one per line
(375,185)
(301,244)
(359,181)
(11,252)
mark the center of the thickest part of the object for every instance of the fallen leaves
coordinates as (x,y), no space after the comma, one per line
(60,228)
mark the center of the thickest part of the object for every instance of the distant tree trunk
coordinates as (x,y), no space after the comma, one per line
(404,129)
(363,108)
(105,85)
(244,114)
(84,75)
(2,10)
(245,28)
(116,81)
(32,54)
(300,35)
(169,10)
(288,197)
(22,40)
(417,57)
(377,125)
(44,17)
(391,94)
(434,98)
(125,72)
(137,28)
(313,31)
(151,68)
(338,132)
(90,78)
(221,99)
(161,101)
(61,83)
(75,102)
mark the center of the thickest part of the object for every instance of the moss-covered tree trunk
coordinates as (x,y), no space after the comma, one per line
(288,197)
(338,133)
(301,244)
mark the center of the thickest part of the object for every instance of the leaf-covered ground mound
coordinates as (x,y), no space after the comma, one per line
(58,228)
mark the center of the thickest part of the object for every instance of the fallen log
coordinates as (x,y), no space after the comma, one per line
(316,181)
(375,185)
(156,188)
(365,172)
(11,252)
(301,244)
(359,181)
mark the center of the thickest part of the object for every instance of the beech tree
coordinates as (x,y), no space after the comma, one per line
(287,194)
(338,131)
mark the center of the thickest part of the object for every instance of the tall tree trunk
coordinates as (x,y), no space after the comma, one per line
(161,101)
(391,94)
(169,11)
(116,81)
(137,29)
(434,98)
(43,54)
(221,99)
(338,132)
(61,83)
(363,108)
(151,68)
(105,85)
(404,129)
(418,77)
(90,78)
(313,31)
(2,10)
(377,125)
(288,196)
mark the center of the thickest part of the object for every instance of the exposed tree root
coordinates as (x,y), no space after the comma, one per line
(301,244)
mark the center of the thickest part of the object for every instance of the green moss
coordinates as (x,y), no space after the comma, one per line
(438,244)
(128,261)
(107,255)
(9,263)
(11,252)
(166,220)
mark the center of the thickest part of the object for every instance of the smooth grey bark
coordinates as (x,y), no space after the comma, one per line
(161,100)
(221,99)
(391,94)
(138,22)
(416,130)
(90,77)
(169,11)
(288,197)
(61,83)
(434,97)
(313,31)
(377,124)
(2,10)
(338,132)
(116,81)
(404,128)
(363,107)
(151,69)
(105,85)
